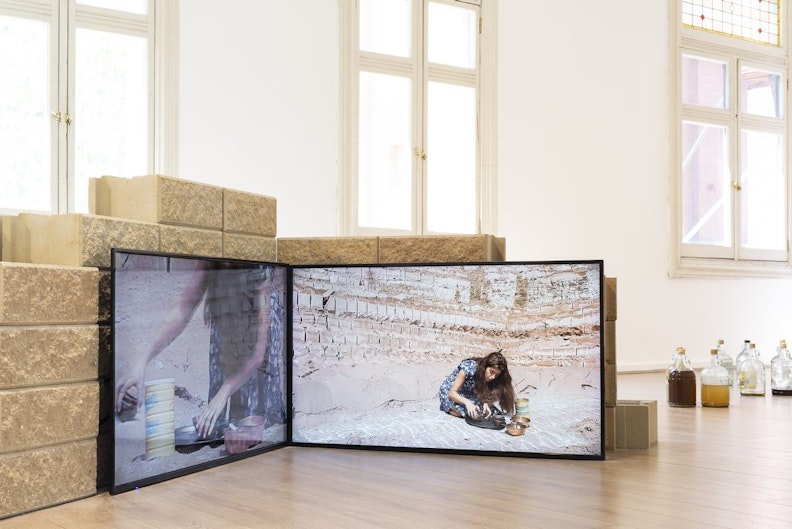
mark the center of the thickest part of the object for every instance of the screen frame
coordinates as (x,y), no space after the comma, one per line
(120,484)
(288,357)
(600,446)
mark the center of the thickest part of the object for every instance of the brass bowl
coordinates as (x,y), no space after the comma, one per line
(515,428)
(521,419)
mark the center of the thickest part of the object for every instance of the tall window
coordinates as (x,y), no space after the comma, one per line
(414,150)
(732,150)
(77,98)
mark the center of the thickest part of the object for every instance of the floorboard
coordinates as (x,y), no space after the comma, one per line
(711,468)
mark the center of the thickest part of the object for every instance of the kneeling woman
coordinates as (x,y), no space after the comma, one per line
(475,385)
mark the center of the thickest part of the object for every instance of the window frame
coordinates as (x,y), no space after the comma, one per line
(710,260)
(64,17)
(349,70)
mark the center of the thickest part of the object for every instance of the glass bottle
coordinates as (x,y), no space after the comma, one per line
(781,371)
(681,381)
(726,361)
(752,374)
(742,356)
(673,361)
(715,383)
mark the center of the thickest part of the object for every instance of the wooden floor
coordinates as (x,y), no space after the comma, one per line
(711,468)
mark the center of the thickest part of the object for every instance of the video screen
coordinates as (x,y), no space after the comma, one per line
(499,358)
(200,370)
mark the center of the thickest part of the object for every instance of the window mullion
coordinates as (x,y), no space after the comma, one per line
(65,98)
(735,156)
(420,77)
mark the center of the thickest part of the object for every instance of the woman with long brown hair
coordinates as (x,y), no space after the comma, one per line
(476,384)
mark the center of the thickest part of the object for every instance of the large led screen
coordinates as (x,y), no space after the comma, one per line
(199,363)
(447,357)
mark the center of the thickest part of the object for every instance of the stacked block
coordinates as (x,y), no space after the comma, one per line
(392,249)
(610,362)
(328,250)
(55,350)
(49,393)
(441,248)
(75,239)
(159,199)
(636,423)
(249,226)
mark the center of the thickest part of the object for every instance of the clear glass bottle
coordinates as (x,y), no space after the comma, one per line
(725,360)
(781,371)
(681,381)
(752,374)
(742,356)
(715,383)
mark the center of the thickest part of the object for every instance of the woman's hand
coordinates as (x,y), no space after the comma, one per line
(472,409)
(129,388)
(205,423)
(487,410)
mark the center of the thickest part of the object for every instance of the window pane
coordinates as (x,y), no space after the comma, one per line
(385,27)
(760,93)
(25,121)
(704,82)
(139,7)
(451,159)
(706,202)
(452,35)
(385,157)
(111,114)
(756,20)
(763,191)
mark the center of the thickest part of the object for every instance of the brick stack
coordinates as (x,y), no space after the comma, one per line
(55,312)
(55,354)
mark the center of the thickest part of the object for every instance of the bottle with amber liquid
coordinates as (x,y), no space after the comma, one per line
(781,371)
(752,374)
(715,383)
(681,382)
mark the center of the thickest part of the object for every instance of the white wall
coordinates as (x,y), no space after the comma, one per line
(583,147)
(258,104)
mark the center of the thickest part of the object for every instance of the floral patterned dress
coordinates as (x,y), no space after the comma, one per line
(468,389)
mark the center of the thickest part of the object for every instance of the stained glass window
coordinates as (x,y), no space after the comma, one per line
(754,20)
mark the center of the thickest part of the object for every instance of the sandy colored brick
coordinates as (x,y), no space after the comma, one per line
(34,356)
(610,427)
(47,476)
(77,239)
(249,247)
(191,241)
(610,299)
(610,342)
(48,415)
(43,294)
(158,198)
(249,214)
(6,222)
(610,384)
(636,423)
(441,249)
(328,250)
